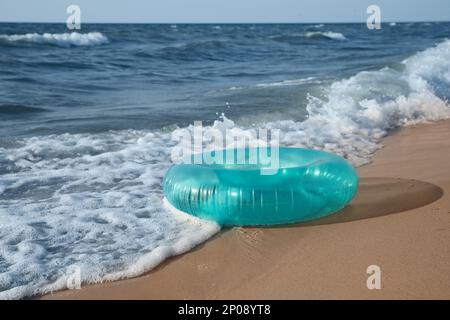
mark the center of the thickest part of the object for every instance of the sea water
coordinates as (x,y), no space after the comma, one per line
(86,121)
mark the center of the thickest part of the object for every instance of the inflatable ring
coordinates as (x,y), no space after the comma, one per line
(305,185)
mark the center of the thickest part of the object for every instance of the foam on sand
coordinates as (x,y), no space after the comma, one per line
(59,39)
(87,201)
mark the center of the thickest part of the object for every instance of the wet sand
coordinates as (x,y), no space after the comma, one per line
(399,221)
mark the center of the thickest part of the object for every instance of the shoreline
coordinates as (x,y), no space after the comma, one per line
(400,221)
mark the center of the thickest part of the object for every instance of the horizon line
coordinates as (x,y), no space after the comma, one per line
(229,23)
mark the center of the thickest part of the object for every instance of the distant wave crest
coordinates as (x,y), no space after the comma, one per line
(283,83)
(327,34)
(317,35)
(59,39)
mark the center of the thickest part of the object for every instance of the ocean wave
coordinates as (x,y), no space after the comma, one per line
(327,34)
(191,51)
(357,112)
(12,109)
(94,201)
(59,39)
(283,83)
(301,37)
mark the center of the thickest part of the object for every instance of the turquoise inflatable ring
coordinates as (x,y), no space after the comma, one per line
(307,185)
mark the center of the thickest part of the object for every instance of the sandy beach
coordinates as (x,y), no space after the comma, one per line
(399,221)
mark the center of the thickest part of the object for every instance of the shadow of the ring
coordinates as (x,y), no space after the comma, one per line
(382,196)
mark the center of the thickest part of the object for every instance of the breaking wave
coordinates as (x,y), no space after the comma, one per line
(327,34)
(59,39)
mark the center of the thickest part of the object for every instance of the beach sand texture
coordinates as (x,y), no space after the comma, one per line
(400,221)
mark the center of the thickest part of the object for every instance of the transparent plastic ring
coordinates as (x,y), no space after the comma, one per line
(305,185)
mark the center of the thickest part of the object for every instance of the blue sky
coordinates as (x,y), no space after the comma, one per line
(224,11)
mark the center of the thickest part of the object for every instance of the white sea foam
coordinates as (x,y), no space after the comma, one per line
(59,39)
(355,113)
(95,200)
(283,83)
(90,201)
(326,34)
